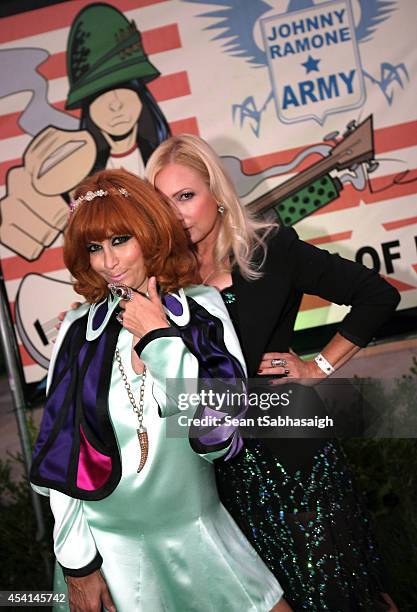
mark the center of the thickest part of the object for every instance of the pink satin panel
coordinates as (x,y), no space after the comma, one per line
(94,468)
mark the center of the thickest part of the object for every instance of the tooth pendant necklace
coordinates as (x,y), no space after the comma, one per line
(138,410)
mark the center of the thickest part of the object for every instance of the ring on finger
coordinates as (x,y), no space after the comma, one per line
(278,362)
(122,291)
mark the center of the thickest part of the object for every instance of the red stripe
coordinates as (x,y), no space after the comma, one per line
(185,126)
(24,355)
(118,155)
(400,223)
(254,165)
(5,167)
(60,105)
(26,358)
(9,124)
(164,38)
(350,198)
(397,136)
(170,86)
(404,133)
(400,285)
(309,302)
(54,67)
(157,40)
(330,238)
(16,267)
(32,23)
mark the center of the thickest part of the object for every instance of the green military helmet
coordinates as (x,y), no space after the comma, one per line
(104,50)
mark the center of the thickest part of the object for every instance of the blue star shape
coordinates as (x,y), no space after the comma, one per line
(311,65)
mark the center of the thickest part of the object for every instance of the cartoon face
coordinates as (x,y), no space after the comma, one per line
(116,111)
(119,259)
(192,198)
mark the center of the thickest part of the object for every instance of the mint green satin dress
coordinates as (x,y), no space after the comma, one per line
(168,544)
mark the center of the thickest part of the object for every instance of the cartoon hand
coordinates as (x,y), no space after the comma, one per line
(30,221)
(58,160)
(34,213)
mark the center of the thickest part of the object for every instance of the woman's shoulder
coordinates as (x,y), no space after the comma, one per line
(276,245)
(281,237)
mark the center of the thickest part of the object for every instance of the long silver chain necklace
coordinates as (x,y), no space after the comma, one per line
(138,410)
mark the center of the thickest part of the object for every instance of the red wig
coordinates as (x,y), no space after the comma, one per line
(144,214)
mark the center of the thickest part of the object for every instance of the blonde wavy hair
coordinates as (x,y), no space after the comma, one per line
(240,233)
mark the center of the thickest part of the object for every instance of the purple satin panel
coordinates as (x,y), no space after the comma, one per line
(173,305)
(90,386)
(215,361)
(99,315)
(204,337)
(55,464)
(94,468)
(218,434)
(221,433)
(52,407)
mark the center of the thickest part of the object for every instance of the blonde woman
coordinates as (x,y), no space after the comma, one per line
(293,498)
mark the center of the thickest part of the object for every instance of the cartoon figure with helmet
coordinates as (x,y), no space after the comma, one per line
(121,124)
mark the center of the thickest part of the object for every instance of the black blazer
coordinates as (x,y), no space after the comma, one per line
(267,307)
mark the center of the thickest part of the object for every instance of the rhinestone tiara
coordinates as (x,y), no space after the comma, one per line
(90,195)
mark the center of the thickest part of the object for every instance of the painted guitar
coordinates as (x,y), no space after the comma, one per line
(313,188)
(38,302)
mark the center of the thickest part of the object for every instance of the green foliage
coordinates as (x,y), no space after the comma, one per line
(386,471)
(25,563)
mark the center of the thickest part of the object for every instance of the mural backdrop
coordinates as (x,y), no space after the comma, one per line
(311,105)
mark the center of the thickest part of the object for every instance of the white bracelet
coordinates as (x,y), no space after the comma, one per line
(324,365)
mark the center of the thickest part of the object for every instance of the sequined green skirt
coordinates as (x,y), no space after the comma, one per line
(297,504)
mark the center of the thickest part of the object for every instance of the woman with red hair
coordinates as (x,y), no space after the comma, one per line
(138,522)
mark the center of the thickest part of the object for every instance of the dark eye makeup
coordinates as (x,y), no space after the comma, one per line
(186,195)
(93,247)
(120,239)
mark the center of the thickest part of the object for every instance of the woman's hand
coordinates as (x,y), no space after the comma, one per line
(89,593)
(289,366)
(141,314)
